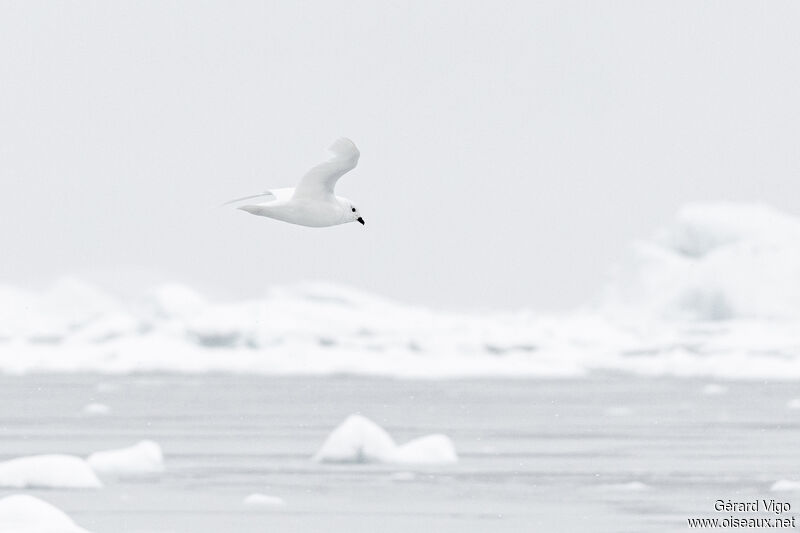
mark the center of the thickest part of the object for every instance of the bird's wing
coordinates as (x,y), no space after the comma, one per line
(318,183)
(276,194)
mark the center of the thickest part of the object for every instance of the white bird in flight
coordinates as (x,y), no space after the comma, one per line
(313,203)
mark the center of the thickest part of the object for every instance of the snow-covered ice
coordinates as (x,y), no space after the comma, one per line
(48,471)
(143,458)
(714,293)
(263,500)
(794,403)
(356,440)
(360,440)
(430,449)
(22,513)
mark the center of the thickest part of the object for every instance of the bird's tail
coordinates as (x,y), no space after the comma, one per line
(259,195)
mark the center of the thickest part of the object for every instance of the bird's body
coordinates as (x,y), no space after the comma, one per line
(313,203)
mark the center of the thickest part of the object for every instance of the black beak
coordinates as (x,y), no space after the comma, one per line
(360,220)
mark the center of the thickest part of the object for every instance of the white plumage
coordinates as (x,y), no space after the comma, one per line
(313,202)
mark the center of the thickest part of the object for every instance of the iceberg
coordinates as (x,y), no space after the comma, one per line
(21,513)
(143,458)
(360,440)
(715,262)
(48,471)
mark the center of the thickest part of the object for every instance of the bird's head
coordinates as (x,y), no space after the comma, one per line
(351,212)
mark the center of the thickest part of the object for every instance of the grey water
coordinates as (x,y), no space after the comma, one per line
(598,454)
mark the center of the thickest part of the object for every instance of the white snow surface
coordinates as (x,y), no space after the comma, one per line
(714,293)
(48,471)
(360,440)
(21,513)
(143,458)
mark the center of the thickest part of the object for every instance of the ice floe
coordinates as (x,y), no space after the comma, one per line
(143,458)
(48,471)
(22,513)
(263,500)
(430,449)
(360,440)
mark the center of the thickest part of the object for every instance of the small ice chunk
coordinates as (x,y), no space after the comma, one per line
(431,449)
(360,440)
(356,440)
(263,500)
(21,513)
(793,403)
(633,486)
(785,485)
(713,389)
(142,458)
(50,471)
(96,409)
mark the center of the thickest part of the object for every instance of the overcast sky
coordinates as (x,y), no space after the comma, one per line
(510,151)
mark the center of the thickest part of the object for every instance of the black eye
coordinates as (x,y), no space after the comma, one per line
(354,209)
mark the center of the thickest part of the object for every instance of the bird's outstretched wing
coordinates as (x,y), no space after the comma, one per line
(318,183)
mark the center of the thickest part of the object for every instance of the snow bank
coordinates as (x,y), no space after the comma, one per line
(715,293)
(21,513)
(360,440)
(263,500)
(48,471)
(143,458)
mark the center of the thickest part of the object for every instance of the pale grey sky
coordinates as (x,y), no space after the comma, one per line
(510,151)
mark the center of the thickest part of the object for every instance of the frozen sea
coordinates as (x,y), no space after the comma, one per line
(604,453)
